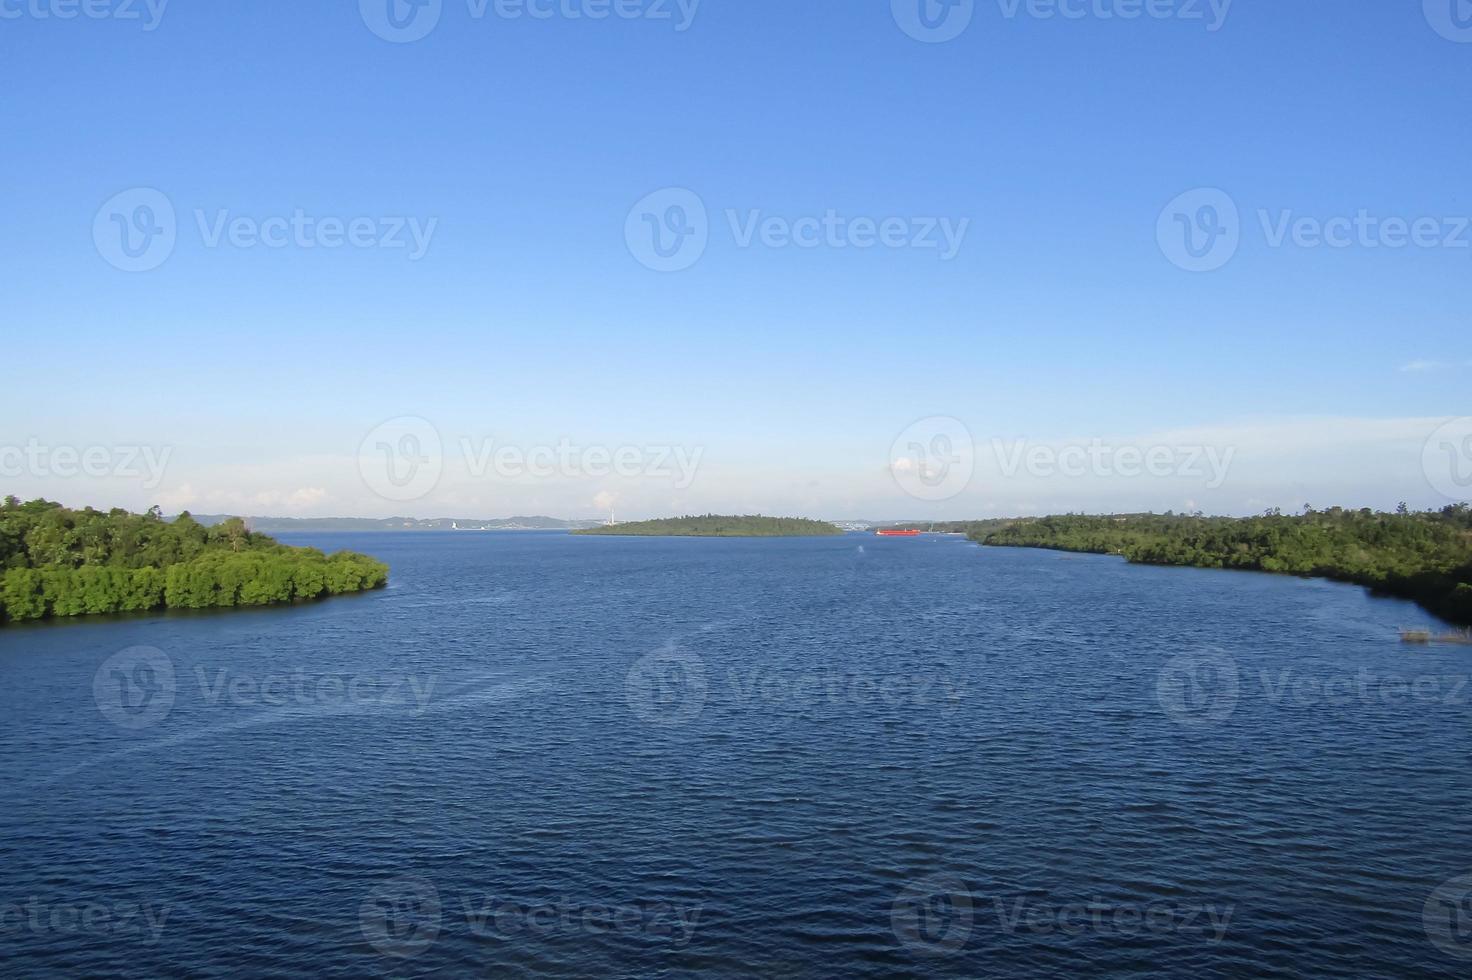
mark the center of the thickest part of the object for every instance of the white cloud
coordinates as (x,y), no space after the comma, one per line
(1422,367)
(252,504)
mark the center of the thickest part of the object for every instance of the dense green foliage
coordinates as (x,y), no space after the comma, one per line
(1426,557)
(60,562)
(715,526)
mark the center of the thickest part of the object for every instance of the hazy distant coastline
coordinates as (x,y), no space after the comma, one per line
(720,526)
(271,525)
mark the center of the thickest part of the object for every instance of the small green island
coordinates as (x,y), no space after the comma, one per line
(55,561)
(718,526)
(1424,556)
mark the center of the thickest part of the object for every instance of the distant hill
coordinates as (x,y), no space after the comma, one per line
(718,526)
(273,525)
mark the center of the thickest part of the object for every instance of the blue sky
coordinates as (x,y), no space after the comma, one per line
(522,144)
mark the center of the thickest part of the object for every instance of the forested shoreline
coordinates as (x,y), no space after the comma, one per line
(1423,556)
(55,561)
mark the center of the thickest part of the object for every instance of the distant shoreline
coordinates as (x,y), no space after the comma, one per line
(280,525)
(718,526)
(1423,556)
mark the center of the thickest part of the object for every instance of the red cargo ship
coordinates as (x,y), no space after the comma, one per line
(898,534)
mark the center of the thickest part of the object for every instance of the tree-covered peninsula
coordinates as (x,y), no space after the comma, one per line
(55,561)
(1422,556)
(716,526)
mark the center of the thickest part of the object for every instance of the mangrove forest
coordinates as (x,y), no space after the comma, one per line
(55,561)
(1425,556)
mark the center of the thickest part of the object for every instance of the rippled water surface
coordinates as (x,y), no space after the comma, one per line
(547,755)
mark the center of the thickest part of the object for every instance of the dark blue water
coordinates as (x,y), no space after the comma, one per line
(555,756)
